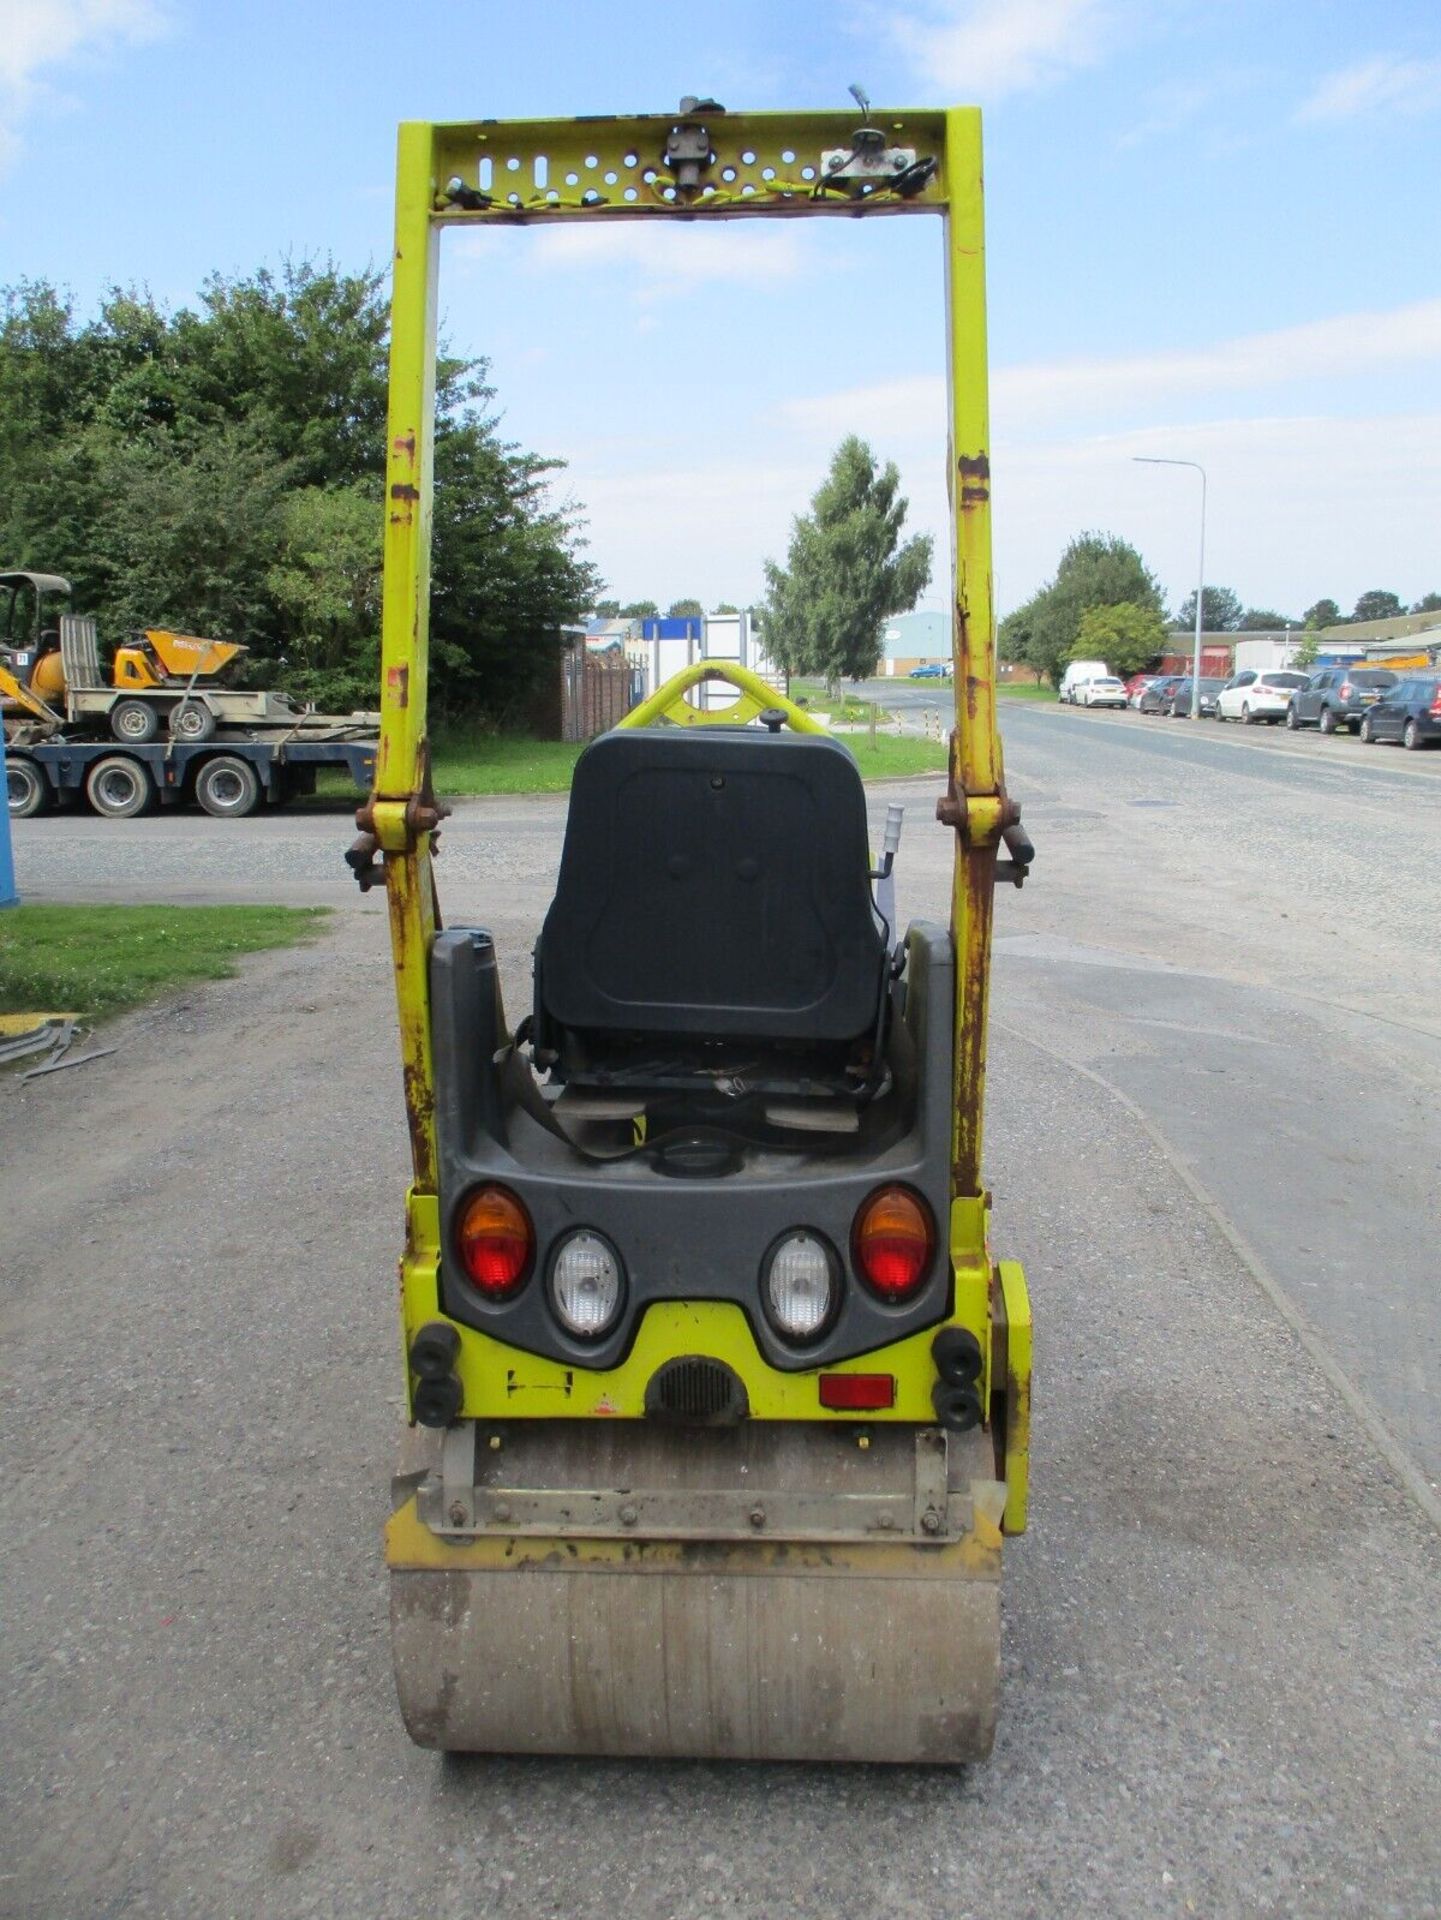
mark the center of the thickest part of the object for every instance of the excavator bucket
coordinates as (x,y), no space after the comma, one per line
(719,1401)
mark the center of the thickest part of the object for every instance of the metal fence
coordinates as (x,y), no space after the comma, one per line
(596,692)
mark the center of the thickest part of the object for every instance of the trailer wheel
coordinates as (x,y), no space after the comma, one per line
(227,787)
(119,787)
(26,788)
(134,721)
(192,721)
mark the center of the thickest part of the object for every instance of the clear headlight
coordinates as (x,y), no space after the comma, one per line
(800,1285)
(585,1284)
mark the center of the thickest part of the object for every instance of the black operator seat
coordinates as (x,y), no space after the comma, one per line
(713,886)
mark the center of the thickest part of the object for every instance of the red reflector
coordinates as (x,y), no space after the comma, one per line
(857,1392)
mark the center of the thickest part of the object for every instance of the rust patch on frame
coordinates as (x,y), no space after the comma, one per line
(974,471)
(397,681)
(978,880)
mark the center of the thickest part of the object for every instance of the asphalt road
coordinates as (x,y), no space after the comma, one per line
(1212,1138)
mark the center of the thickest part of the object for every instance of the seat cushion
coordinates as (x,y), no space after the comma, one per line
(713,882)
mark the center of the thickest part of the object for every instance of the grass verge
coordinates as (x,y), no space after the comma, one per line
(489,766)
(847,708)
(1006,690)
(502,763)
(98,960)
(887,757)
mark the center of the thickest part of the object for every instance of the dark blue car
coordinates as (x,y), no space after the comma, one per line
(1409,712)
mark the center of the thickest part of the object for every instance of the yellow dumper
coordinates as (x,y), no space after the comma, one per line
(719,1399)
(159,681)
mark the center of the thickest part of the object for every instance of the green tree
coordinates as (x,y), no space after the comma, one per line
(326,586)
(640,610)
(1310,647)
(726,607)
(1126,636)
(1377,605)
(847,571)
(221,469)
(1264,620)
(1220,611)
(186,535)
(685,610)
(1428,603)
(1325,613)
(1013,635)
(1096,570)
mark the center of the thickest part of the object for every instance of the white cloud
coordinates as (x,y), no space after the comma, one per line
(1050,391)
(1282,530)
(989,47)
(650,263)
(39,35)
(1383,84)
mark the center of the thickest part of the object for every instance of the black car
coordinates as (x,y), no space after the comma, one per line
(1409,712)
(1179,705)
(1338,697)
(1157,697)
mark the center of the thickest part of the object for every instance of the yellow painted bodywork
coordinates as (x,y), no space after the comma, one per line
(534,173)
(167,658)
(501,1381)
(16,696)
(754,696)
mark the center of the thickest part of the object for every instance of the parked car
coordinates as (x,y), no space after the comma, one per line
(1078,671)
(1338,697)
(932,670)
(1409,712)
(1180,707)
(1104,691)
(1157,697)
(1137,685)
(1251,697)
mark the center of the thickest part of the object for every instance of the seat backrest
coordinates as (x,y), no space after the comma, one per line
(713,882)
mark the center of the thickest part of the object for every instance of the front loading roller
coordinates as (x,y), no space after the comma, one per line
(784,1593)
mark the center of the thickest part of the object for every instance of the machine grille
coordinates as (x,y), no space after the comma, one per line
(694,1391)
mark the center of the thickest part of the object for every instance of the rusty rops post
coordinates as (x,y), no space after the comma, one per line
(402,815)
(974,804)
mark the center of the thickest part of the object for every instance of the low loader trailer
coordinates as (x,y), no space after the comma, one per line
(228,776)
(157,727)
(718,1397)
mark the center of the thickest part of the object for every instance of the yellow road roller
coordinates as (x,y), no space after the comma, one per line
(719,1401)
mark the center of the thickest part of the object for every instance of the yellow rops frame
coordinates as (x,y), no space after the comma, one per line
(702,164)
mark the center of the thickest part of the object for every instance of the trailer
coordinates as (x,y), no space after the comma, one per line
(227,777)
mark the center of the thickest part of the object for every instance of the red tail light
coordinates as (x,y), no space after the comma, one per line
(892,1242)
(1345,689)
(1436,701)
(495,1241)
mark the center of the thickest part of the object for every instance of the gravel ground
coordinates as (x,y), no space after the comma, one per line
(1221,1689)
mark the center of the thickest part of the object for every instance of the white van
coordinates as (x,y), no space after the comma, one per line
(1078,671)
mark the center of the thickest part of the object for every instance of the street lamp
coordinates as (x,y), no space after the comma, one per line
(1152,460)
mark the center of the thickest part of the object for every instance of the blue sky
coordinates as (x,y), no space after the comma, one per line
(1213,234)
